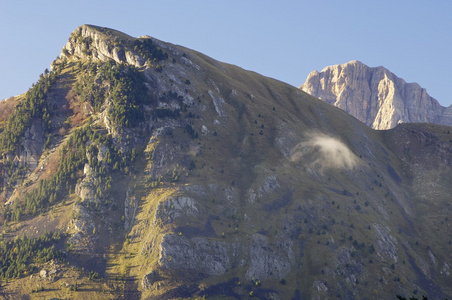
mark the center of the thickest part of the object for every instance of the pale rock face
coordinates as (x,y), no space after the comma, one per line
(269,260)
(375,96)
(85,189)
(97,45)
(102,152)
(386,243)
(32,145)
(194,254)
(173,208)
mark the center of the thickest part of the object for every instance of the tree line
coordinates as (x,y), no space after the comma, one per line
(19,256)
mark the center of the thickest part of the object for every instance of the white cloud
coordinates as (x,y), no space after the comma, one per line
(324,151)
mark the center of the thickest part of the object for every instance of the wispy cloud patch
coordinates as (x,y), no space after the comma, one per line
(324,151)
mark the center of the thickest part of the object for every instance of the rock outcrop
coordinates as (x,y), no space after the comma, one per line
(375,96)
(196,254)
(183,177)
(94,42)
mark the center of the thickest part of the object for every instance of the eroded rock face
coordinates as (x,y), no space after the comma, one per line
(386,243)
(171,209)
(375,96)
(269,260)
(89,42)
(150,279)
(194,254)
(32,145)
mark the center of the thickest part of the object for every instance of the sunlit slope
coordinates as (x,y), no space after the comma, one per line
(171,175)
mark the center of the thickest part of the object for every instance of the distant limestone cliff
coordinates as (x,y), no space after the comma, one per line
(375,96)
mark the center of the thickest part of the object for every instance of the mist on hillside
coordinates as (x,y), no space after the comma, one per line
(324,151)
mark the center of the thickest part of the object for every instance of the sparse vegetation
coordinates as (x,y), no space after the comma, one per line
(149,51)
(191,132)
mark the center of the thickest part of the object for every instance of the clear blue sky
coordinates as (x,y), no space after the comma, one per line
(281,39)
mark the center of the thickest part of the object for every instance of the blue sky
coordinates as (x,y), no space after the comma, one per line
(281,39)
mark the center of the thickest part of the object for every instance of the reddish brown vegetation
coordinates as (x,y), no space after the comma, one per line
(6,108)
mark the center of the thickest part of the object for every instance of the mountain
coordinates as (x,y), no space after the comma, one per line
(375,96)
(139,169)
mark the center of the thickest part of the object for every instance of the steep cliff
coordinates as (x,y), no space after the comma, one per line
(375,96)
(170,175)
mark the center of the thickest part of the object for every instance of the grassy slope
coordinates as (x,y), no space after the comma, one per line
(323,208)
(334,217)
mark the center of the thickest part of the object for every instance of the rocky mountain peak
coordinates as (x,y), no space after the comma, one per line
(102,44)
(162,173)
(374,95)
